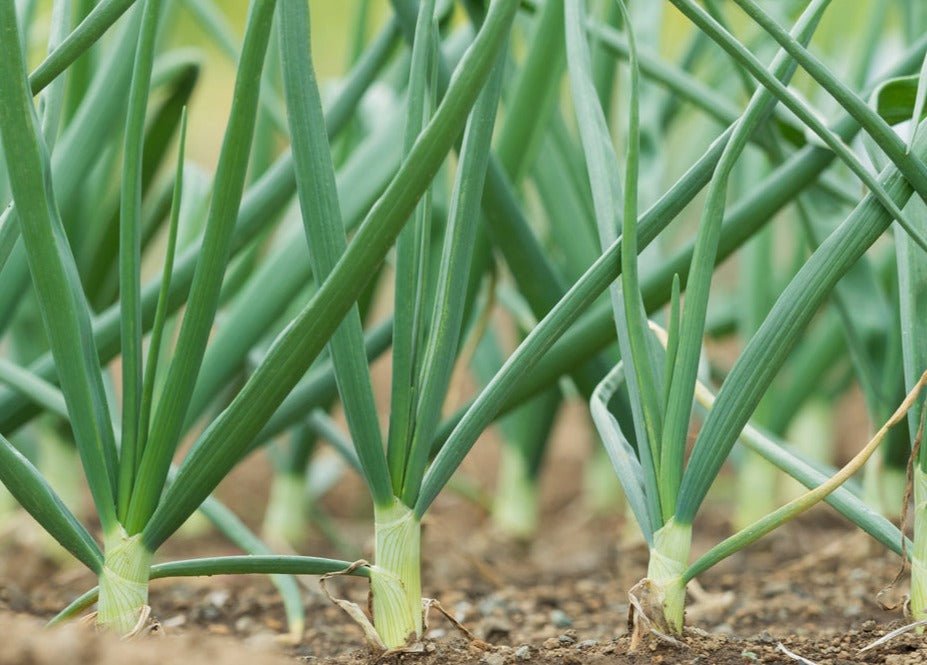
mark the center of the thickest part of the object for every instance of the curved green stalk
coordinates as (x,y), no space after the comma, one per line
(40,391)
(273,564)
(769,347)
(94,26)
(236,531)
(34,494)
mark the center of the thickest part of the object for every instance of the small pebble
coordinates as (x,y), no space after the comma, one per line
(775,588)
(493,659)
(490,604)
(560,619)
(244,624)
(587,644)
(853,610)
(218,598)
(206,613)
(566,640)
(175,621)
(462,610)
(523,653)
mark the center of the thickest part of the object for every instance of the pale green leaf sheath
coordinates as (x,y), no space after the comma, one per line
(397,617)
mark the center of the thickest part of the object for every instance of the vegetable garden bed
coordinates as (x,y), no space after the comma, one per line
(498,219)
(812,586)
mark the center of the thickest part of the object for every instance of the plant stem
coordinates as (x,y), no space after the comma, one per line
(515,509)
(813,436)
(883,487)
(669,557)
(602,492)
(123,582)
(397,617)
(286,516)
(757,489)
(919,555)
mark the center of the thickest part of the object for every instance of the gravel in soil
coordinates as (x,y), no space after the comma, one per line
(811,590)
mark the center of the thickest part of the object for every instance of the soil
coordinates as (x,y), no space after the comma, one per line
(809,589)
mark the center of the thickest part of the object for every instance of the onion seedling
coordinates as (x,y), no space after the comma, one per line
(128,481)
(664,489)
(903,100)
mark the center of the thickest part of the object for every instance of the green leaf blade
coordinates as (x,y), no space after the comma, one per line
(63,306)
(210,268)
(318,197)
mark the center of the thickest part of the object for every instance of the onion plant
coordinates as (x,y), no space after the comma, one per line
(128,474)
(902,100)
(664,488)
(227,348)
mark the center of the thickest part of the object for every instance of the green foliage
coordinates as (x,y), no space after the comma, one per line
(453,174)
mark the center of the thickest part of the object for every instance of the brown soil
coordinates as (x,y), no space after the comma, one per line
(810,587)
